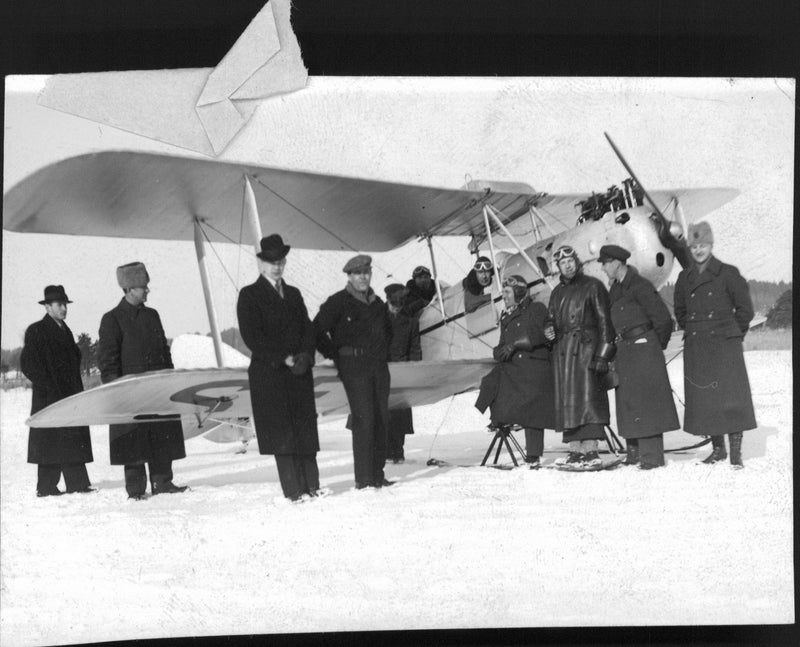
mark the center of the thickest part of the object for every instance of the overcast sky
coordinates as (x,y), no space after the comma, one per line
(548,132)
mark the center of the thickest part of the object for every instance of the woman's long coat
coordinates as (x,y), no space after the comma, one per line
(645,406)
(579,312)
(519,390)
(274,327)
(51,360)
(132,340)
(714,310)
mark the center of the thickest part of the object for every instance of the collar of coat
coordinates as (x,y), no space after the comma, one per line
(367,297)
(129,307)
(713,266)
(269,286)
(49,321)
(626,281)
(519,307)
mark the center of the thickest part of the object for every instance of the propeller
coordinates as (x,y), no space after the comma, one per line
(675,245)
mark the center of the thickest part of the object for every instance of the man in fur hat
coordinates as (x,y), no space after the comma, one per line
(353,328)
(275,326)
(713,307)
(51,360)
(132,340)
(579,322)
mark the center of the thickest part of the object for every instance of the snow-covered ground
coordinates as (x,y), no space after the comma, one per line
(445,547)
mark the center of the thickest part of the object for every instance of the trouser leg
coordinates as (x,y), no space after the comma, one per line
(135,479)
(76,478)
(47,478)
(651,450)
(534,442)
(735,441)
(380,396)
(307,467)
(160,472)
(357,385)
(289,476)
(399,421)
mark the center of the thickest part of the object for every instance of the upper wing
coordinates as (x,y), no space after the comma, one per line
(214,395)
(145,195)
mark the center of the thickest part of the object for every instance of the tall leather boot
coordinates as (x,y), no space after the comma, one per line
(718,453)
(736,449)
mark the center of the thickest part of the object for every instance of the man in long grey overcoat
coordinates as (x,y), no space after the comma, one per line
(713,307)
(51,360)
(579,322)
(132,340)
(274,324)
(645,407)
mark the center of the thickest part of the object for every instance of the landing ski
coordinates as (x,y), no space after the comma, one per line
(437,462)
(605,465)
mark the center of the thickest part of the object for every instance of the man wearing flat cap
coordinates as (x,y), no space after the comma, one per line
(131,341)
(405,347)
(274,324)
(645,408)
(713,307)
(51,360)
(421,290)
(579,323)
(353,328)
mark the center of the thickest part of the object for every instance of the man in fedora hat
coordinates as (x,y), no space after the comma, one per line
(132,340)
(353,328)
(713,306)
(274,324)
(51,360)
(645,408)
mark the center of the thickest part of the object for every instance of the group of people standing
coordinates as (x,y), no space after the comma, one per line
(552,372)
(557,363)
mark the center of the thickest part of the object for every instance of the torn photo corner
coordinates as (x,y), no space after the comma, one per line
(197,109)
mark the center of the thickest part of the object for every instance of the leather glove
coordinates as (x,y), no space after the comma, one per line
(506,352)
(599,366)
(550,333)
(302,362)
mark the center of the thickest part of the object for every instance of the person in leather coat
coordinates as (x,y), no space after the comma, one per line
(519,389)
(579,323)
(645,407)
(713,307)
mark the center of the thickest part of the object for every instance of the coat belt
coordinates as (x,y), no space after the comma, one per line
(634,331)
(351,351)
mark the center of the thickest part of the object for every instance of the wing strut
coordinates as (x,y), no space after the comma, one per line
(436,277)
(251,207)
(489,210)
(199,249)
(494,261)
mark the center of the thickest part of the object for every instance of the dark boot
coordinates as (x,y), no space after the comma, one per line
(736,449)
(718,453)
(632,452)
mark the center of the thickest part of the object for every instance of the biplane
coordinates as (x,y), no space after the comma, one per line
(155,196)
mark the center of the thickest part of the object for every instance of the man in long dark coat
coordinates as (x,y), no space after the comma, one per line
(579,322)
(274,324)
(353,329)
(132,340)
(645,408)
(404,347)
(51,360)
(713,307)
(519,389)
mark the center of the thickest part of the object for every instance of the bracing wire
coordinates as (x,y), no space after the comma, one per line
(441,424)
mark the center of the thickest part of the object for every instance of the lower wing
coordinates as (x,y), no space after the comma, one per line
(204,398)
